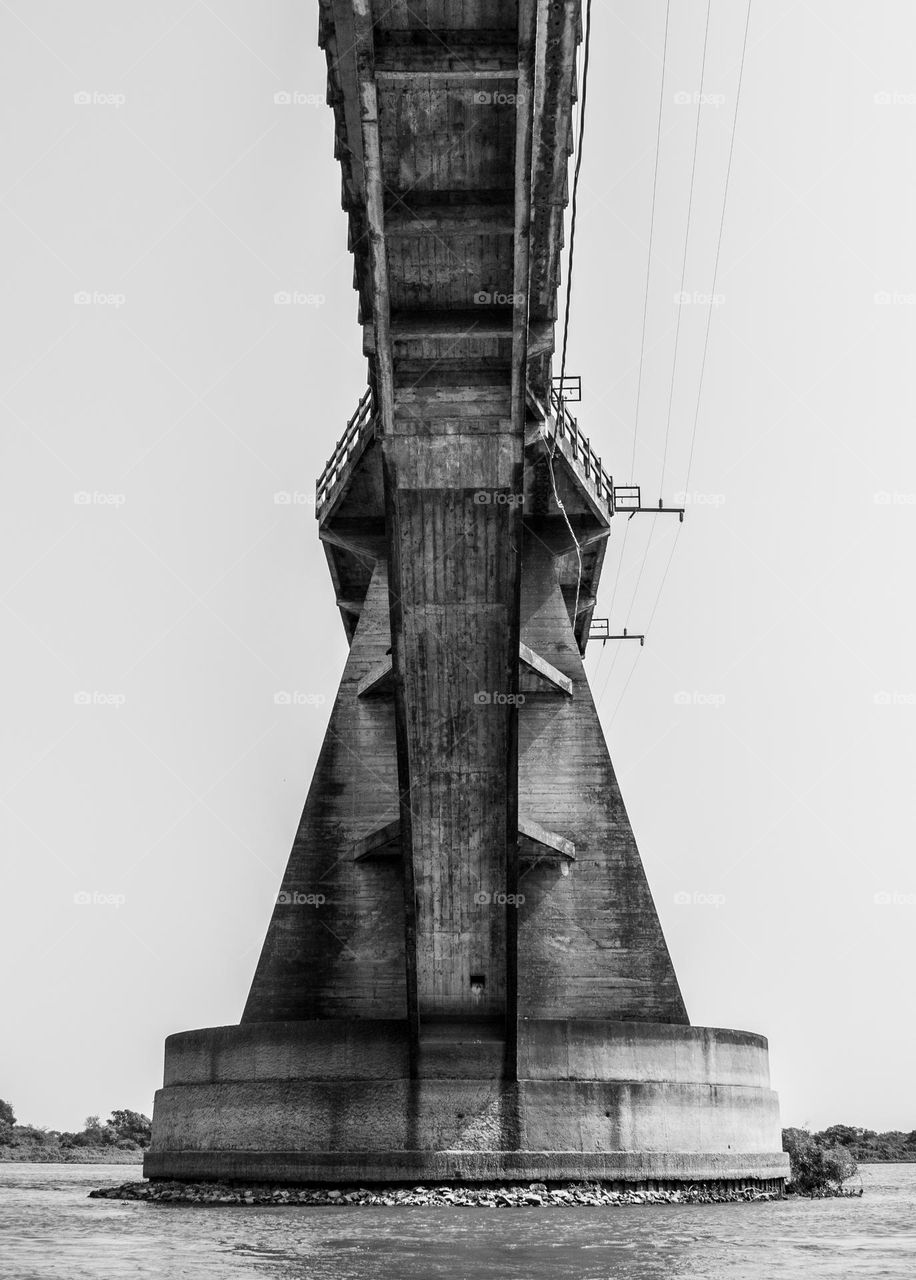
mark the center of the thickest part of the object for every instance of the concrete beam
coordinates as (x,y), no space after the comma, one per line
(549,839)
(543,668)
(380,679)
(381,838)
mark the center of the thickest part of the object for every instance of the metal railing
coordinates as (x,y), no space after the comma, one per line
(561,424)
(358,429)
(567,428)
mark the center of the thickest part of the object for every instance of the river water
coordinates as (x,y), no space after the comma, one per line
(49,1230)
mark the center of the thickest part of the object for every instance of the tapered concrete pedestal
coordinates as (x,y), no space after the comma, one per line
(332,1102)
(465,974)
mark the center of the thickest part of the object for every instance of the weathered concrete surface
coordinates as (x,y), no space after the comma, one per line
(333,1101)
(335,942)
(590,941)
(365,1167)
(465,974)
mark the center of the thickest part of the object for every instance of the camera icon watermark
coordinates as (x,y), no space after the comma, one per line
(298,698)
(296,98)
(894,98)
(684,98)
(93,898)
(498,498)
(297,298)
(93,98)
(685,698)
(85,498)
(294,498)
(95,298)
(692,498)
(499,899)
(696,298)
(893,698)
(697,899)
(886,498)
(294,899)
(95,698)
(487,98)
(483,698)
(489,298)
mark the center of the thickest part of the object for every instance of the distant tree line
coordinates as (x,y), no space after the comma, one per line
(123,1130)
(822,1163)
(866,1146)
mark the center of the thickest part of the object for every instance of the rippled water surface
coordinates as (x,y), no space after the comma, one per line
(49,1229)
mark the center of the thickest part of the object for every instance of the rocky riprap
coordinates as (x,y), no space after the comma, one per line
(534,1194)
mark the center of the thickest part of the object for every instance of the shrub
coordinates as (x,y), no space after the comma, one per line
(131,1126)
(818,1168)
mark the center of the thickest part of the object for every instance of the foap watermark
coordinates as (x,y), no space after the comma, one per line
(297,698)
(686,698)
(94,898)
(95,298)
(695,298)
(95,98)
(888,498)
(894,298)
(693,498)
(295,899)
(499,899)
(294,498)
(894,898)
(489,298)
(498,498)
(93,498)
(697,899)
(296,98)
(497,98)
(686,98)
(296,298)
(482,698)
(893,698)
(894,98)
(95,698)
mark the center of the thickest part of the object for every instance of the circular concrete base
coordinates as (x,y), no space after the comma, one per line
(333,1101)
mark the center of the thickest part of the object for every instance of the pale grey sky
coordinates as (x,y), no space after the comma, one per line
(146,563)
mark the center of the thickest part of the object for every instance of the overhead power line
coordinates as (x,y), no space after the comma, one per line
(645,309)
(575,190)
(680,308)
(720,236)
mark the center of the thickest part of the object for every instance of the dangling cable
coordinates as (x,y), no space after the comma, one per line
(569,275)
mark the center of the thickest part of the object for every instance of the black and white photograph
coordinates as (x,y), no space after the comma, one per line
(458,753)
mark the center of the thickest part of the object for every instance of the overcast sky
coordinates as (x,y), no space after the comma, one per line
(156,399)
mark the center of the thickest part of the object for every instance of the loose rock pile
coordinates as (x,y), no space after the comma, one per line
(493,1197)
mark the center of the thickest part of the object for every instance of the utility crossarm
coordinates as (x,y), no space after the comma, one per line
(600,629)
(628,501)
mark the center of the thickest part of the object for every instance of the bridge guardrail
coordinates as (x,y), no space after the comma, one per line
(358,428)
(567,428)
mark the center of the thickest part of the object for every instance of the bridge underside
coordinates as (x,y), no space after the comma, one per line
(465,974)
